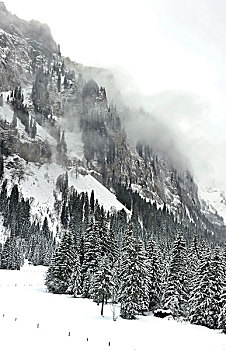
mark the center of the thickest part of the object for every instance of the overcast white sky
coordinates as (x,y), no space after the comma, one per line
(174,49)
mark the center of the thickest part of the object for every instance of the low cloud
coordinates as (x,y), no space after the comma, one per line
(181,125)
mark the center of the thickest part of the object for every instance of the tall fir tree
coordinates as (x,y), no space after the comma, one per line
(102,283)
(91,257)
(61,268)
(106,238)
(204,303)
(134,285)
(11,258)
(175,294)
(222,315)
(154,274)
(75,283)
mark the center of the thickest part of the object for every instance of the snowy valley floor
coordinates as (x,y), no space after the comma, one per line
(31,318)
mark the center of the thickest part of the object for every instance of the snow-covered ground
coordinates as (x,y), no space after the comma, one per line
(31,318)
(39,182)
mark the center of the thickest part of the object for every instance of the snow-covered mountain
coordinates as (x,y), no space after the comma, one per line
(113,218)
(213,202)
(59,123)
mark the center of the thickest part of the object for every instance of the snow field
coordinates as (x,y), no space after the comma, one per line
(88,183)
(31,318)
(39,182)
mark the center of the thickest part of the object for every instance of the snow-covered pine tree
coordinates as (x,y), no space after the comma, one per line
(154,275)
(134,286)
(102,283)
(46,248)
(222,315)
(176,292)
(45,228)
(219,283)
(204,303)
(193,256)
(64,215)
(11,254)
(3,197)
(61,268)
(106,238)
(92,202)
(40,245)
(6,256)
(86,215)
(75,283)
(91,257)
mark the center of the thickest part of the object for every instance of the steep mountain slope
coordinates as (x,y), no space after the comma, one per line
(58,122)
(37,180)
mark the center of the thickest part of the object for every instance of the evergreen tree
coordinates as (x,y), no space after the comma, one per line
(45,228)
(106,238)
(222,315)
(193,257)
(92,202)
(176,291)
(64,215)
(75,284)
(86,216)
(102,284)
(65,82)
(11,258)
(61,268)
(134,286)
(14,198)
(91,257)
(40,245)
(154,275)
(6,255)
(204,302)
(1,166)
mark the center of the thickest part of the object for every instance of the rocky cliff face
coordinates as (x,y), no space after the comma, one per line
(77,128)
(33,31)
(23,47)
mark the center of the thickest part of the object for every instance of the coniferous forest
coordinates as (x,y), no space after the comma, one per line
(107,259)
